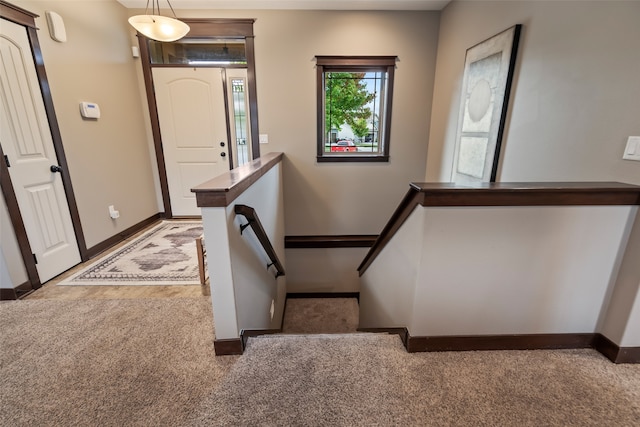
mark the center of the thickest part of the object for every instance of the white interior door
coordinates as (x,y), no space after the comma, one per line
(27,142)
(193,127)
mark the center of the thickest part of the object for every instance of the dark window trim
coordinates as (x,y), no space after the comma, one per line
(354,63)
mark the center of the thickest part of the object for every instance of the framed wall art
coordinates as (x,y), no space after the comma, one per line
(488,73)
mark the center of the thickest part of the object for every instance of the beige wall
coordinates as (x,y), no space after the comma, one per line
(109,159)
(575,100)
(575,97)
(339,198)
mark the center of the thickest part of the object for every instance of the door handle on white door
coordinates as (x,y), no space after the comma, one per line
(223,154)
(55,168)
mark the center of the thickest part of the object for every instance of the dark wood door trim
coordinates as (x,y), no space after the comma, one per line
(27,19)
(201,28)
(18,225)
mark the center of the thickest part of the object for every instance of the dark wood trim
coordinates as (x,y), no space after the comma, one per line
(18,292)
(24,289)
(57,143)
(254,222)
(628,355)
(333,241)
(410,201)
(123,235)
(17,15)
(529,194)
(23,17)
(224,189)
(298,295)
(503,194)
(145,60)
(354,63)
(499,342)
(320,112)
(18,224)
(386,130)
(252,87)
(8,294)
(348,158)
(228,347)
(614,352)
(416,344)
(201,28)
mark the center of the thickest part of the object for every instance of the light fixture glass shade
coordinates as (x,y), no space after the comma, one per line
(161,28)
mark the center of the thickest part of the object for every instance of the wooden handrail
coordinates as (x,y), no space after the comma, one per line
(502,194)
(254,222)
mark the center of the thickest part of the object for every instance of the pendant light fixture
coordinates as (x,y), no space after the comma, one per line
(157,27)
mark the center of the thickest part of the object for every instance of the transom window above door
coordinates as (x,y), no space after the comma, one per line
(199,52)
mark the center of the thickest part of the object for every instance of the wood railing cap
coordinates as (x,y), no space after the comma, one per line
(224,189)
(449,194)
(528,193)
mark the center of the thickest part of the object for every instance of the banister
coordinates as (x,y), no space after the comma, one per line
(502,194)
(254,222)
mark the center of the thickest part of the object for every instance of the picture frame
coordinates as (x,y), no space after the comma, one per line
(486,84)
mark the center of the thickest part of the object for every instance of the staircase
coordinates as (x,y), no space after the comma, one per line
(320,316)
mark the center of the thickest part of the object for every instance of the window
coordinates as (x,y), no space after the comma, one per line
(354,107)
(198,52)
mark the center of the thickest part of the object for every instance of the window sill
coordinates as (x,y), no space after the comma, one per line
(351,159)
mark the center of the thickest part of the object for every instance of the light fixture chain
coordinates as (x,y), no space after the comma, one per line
(171,7)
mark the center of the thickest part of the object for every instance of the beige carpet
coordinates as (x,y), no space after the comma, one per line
(365,380)
(150,363)
(320,315)
(106,362)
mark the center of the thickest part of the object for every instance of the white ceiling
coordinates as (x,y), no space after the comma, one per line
(294,4)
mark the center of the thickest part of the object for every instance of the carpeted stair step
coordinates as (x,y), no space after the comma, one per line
(321,315)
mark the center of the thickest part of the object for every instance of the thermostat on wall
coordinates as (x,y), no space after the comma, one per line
(89,110)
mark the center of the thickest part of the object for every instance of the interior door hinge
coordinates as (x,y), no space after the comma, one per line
(35,258)
(6,160)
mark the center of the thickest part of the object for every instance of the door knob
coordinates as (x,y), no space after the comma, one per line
(223,154)
(222,144)
(55,168)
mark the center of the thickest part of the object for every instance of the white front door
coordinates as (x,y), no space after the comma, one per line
(193,128)
(28,145)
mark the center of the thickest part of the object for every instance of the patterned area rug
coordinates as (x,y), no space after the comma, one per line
(164,255)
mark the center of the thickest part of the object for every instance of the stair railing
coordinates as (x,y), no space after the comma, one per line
(254,222)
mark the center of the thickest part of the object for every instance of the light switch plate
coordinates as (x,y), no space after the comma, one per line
(264,138)
(632,150)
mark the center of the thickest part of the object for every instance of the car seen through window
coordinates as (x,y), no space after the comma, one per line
(344,145)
